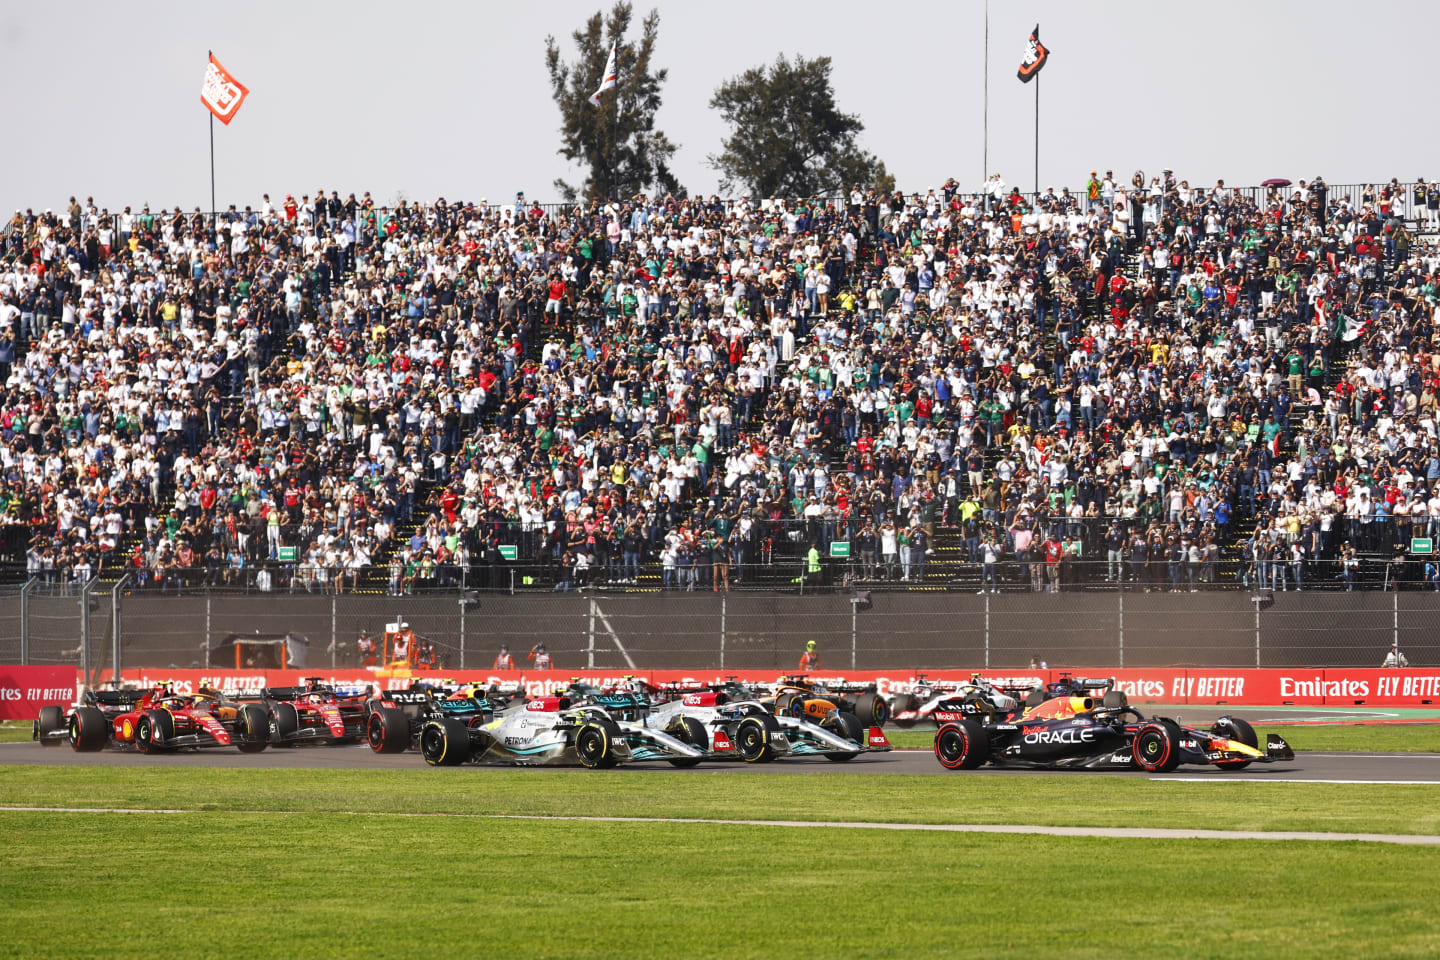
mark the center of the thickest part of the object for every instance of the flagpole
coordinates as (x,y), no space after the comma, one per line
(211,53)
(1037,135)
(985,162)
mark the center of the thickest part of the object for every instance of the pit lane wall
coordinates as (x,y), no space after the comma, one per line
(1331,687)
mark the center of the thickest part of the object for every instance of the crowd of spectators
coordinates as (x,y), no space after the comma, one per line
(1152,378)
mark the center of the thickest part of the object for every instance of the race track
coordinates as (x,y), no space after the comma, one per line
(1315,767)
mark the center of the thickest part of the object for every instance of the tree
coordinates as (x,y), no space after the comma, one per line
(617,141)
(788,138)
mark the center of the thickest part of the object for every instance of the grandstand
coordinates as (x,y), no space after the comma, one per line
(1132,385)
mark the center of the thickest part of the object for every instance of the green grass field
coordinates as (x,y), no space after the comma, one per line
(318,885)
(310,863)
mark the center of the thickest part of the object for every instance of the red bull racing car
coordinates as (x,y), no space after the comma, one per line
(1065,726)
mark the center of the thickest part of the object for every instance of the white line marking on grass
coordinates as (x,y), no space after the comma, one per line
(1374,756)
(1119,833)
(1232,779)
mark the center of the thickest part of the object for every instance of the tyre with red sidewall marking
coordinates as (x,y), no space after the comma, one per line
(388,731)
(962,745)
(1156,747)
(89,730)
(152,730)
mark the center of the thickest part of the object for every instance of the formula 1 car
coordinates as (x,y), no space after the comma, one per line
(801,697)
(601,732)
(743,728)
(1078,731)
(917,706)
(152,721)
(314,712)
(396,717)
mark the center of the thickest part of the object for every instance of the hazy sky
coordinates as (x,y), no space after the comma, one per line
(453,99)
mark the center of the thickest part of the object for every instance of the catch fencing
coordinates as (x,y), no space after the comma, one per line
(96,629)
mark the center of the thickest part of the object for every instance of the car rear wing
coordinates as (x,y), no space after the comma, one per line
(116,698)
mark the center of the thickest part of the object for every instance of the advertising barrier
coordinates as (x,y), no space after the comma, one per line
(1167,685)
(24,690)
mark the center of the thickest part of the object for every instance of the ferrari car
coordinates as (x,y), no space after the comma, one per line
(801,697)
(314,712)
(154,721)
(732,724)
(555,731)
(1072,731)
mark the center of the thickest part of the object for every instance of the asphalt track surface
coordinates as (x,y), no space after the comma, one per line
(1402,768)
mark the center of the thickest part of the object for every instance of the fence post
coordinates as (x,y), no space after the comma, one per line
(333,635)
(1395,618)
(722,630)
(25,620)
(85,632)
(590,652)
(987,631)
(115,632)
(207,631)
(1121,595)
(854,630)
(462,628)
(1255,599)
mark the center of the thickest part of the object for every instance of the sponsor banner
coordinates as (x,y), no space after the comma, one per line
(1168,685)
(24,690)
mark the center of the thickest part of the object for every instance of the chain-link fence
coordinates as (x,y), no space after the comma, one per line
(708,631)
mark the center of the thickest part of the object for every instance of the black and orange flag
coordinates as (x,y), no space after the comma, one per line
(1035,57)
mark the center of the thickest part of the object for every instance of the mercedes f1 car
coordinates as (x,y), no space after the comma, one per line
(1071,730)
(397,716)
(152,721)
(732,723)
(602,731)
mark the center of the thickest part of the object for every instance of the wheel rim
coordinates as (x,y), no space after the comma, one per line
(432,744)
(376,731)
(750,741)
(142,733)
(950,746)
(74,731)
(1151,747)
(589,746)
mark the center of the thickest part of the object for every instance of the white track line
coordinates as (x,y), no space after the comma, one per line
(1234,779)
(1119,833)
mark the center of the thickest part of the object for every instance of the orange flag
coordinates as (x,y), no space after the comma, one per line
(222,93)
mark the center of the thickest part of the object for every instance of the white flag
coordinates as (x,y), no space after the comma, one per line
(608,81)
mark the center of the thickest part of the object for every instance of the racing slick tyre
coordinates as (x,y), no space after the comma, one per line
(1156,747)
(1233,728)
(388,730)
(152,730)
(286,720)
(790,705)
(903,703)
(88,730)
(962,745)
(691,731)
(595,743)
(851,727)
(752,739)
(872,710)
(252,728)
(50,720)
(445,742)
